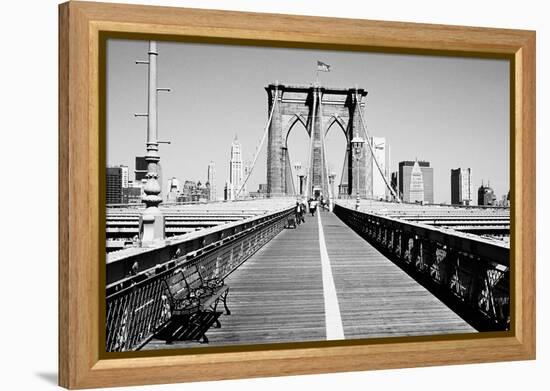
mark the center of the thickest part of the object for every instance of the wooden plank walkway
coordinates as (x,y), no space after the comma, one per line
(377,298)
(278,294)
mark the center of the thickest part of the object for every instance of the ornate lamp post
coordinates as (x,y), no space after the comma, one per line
(298,171)
(357,148)
(331,180)
(152,220)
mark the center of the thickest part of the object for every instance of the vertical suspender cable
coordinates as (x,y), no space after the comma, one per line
(261,142)
(325,161)
(376,160)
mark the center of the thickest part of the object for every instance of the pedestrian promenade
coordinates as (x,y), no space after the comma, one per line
(322,281)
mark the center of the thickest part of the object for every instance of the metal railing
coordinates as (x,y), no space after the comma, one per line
(469,274)
(137,306)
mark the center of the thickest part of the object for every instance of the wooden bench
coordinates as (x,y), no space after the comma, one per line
(208,290)
(193,304)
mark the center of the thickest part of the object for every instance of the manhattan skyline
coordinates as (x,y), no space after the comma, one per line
(452,112)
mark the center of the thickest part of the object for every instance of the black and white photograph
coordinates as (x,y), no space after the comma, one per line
(275,195)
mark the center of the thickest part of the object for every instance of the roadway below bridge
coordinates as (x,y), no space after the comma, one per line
(322,281)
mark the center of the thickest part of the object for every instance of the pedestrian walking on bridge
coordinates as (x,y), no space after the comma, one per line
(298,213)
(312,206)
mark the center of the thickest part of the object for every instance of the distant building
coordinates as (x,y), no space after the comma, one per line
(461,187)
(194,192)
(486,196)
(415,192)
(141,168)
(261,192)
(236,170)
(393,180)
(211,181)
(207,192)
(504,202)
(227,191)
(418,187)
(202,192)
(382,155)
(395,183)
(131,195)
(139,186)
(114,185)
(125,176)
(173,190)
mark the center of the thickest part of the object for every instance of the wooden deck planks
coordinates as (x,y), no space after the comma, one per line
(377,298)
(277,295)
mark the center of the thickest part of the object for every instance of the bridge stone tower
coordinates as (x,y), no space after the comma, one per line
(317,108)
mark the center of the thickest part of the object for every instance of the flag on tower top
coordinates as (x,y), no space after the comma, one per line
(321,66)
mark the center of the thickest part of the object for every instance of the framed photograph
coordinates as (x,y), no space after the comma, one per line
(248,195)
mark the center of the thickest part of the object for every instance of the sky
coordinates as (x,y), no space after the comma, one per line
(450,111)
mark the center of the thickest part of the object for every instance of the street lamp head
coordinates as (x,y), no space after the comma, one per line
(357,144)
(357,141)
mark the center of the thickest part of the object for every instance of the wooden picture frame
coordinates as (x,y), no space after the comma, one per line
(81,364)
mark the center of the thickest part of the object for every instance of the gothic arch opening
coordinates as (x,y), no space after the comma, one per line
(297,144)
(336,145)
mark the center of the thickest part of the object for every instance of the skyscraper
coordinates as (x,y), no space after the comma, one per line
(236,175)
(416,186)
(486,196)
(114,185)
(461,186)
(210,180)
(395,183)
(410,187)
(382,155)
(226,192)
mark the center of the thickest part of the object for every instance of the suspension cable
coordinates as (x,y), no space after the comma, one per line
(275,101)
(375,159)
(325,161)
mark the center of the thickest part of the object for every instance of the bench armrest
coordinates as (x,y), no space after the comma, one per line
(214,282)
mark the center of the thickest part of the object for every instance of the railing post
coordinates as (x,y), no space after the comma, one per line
(426,256)
(398,244)
(406,252)
(453,281)
(385,236)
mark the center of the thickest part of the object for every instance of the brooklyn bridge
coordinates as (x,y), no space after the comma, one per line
(245,272)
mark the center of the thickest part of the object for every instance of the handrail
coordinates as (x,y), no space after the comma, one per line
(133,260)
(467,272)
(137,306)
